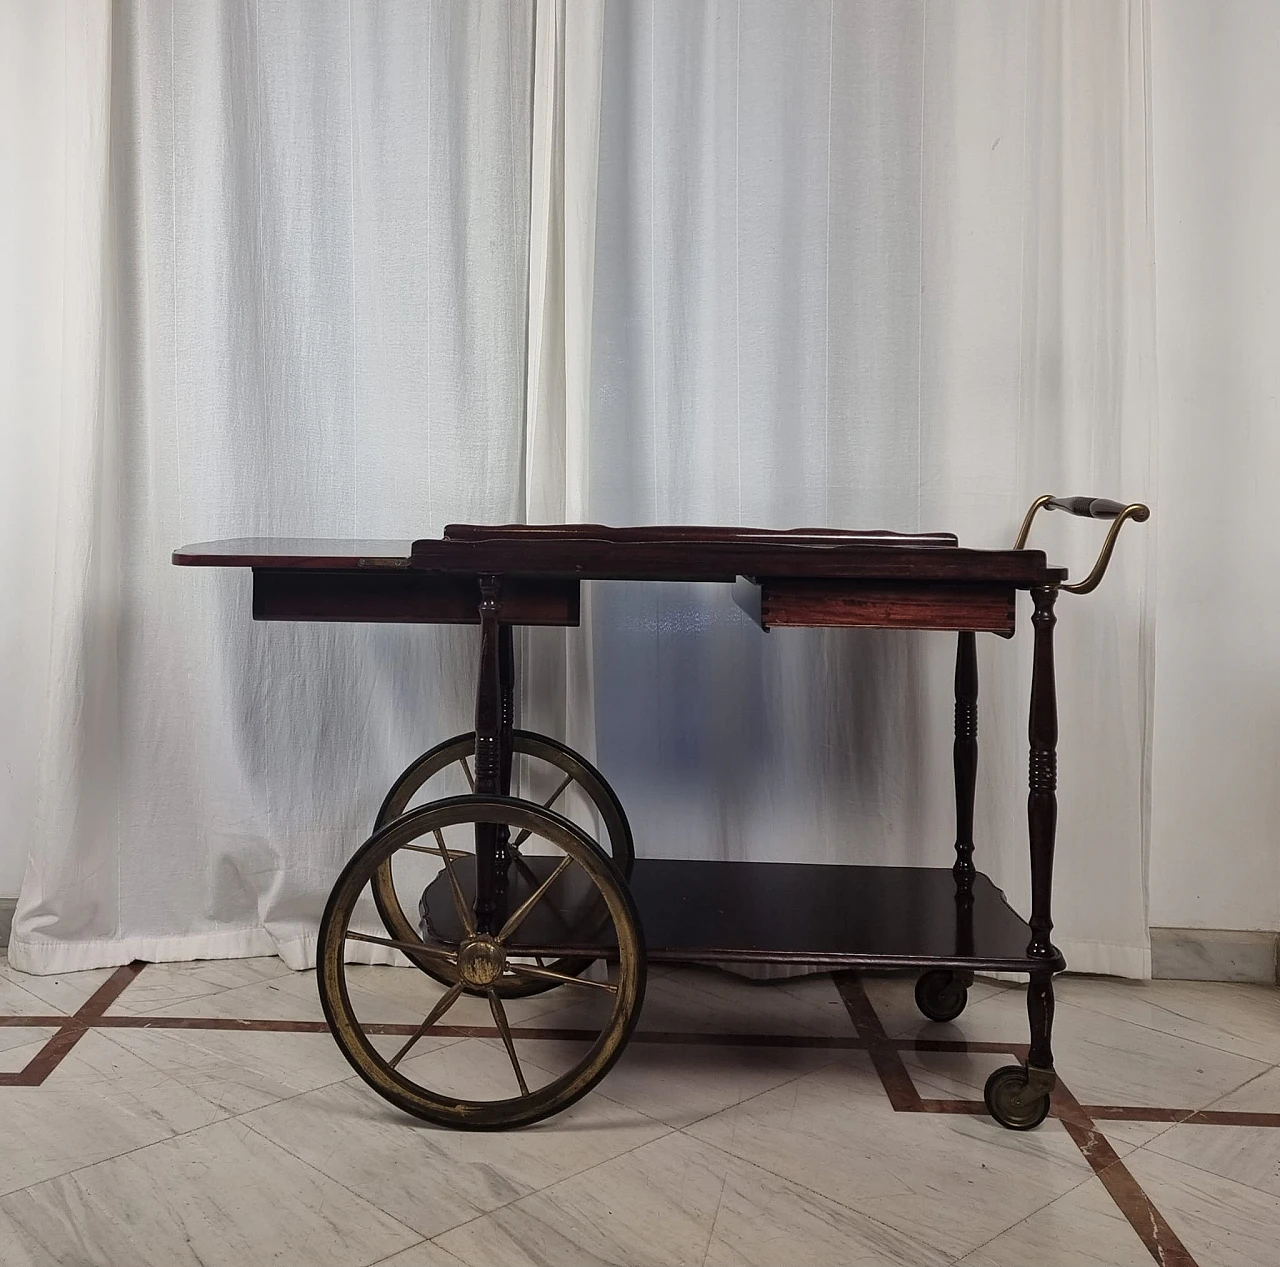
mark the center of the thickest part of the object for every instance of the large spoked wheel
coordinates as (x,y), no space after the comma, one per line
(569,896)
(560,777)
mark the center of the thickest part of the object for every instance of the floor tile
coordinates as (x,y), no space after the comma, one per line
(1244,1019)
(424,1254)
(1126,1136)
(1105,1060)
(1222,1223)
(1259,1095)
(678,1083)
(221,1196)
(952,1182)
(17,1042)
(433,1178)
(1084,1228)
(378,994)
(893,998)
(22,994)
(291,997)
(161,984)
(1246,1154)
(678,1202)
(101,1101)
(239,1070)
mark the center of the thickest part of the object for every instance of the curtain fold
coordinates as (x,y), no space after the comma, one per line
(876,265)
(318,250)
(771,266)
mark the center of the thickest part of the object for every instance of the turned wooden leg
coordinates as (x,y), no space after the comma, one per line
(965,755)
(491,853)
(1042,821)
(507,675)
(1040,1016)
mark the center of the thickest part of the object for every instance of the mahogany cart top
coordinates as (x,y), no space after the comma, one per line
(807,577)
(595,552)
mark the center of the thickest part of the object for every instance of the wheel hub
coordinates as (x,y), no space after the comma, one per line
(481,960)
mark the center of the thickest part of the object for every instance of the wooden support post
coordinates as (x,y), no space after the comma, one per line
(965,756)
(491,850)
(507,675)
(1042,821)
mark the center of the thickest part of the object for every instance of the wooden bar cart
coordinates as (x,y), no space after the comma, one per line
(519,899)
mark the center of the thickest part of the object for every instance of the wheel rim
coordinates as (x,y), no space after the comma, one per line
(584,881)
(460,751)
(573,771)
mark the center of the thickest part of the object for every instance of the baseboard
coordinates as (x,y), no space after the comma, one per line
(7,907)
(1215,954)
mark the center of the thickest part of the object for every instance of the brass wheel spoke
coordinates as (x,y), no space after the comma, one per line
(532,876)
(443,1004)
(460,902)
(529,872)
(436,853)
(545,974)
(500,1020)
(466,769)
(519,914)
(409,947)
(547,804)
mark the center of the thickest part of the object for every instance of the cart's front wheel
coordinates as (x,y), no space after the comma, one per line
(457,1060)
(1013,1101)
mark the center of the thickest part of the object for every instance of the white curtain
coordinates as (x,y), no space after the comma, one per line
(876,264)
(310,323)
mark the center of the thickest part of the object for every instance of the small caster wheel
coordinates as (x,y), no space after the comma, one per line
(941,995)
(1018,1100)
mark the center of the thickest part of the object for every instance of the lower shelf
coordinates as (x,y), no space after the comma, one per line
(776,912)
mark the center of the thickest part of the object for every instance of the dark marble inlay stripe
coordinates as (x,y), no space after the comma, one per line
(884,1053)
(74,1027)
(1154,1231)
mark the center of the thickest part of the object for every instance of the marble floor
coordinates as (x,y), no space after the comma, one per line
(199,1114)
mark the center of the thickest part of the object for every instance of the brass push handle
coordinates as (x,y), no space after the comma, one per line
(1092,508)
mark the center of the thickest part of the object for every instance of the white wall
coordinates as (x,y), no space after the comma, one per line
(1215,854)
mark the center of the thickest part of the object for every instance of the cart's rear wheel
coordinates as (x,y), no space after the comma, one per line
(941,995)
(571,896)
(558,776)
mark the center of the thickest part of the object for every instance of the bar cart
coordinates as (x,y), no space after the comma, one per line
(520,899)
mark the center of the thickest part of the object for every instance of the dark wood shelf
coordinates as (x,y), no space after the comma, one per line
(776,912)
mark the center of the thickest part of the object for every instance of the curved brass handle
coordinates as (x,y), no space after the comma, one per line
(1093,508)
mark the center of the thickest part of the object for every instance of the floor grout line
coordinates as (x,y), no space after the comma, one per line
(1213,1174)
(626,1152)
(324,1174)
(426,1240)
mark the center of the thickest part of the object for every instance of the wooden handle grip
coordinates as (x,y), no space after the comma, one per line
(1088,507)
